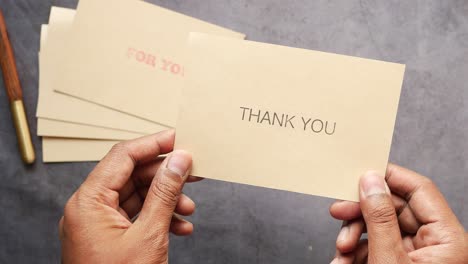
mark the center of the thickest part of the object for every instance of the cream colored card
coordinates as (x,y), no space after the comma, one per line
(43,36)
(56,106)
(70,149)
(127,55)
(286,118)
(55,128)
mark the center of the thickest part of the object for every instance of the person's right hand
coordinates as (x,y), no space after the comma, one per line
(129,203)
(411,224)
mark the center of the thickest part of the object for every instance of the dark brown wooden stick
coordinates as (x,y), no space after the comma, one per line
(13,88)
(8,65)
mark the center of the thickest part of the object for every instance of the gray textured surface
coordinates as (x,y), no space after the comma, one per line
(241,224)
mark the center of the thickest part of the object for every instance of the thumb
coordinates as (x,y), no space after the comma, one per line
(381,220)
(165,190)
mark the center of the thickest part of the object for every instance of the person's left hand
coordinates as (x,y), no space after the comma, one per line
(130,181)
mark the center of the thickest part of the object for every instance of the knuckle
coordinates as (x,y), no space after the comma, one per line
(119,148)
(101,197)
(382,213)
(428,183)
(69,206)
(120,155)
(69,217)
(71,211)
(166,191)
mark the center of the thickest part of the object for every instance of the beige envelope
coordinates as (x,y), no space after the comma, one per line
(56,106)
(133,56)
(286,118)
(55,128)
(43,36)
(69,149)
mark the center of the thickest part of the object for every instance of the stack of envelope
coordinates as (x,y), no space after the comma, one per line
(110,71)
(249,112)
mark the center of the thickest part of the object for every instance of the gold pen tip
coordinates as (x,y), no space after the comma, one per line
(22,132)
(29,159)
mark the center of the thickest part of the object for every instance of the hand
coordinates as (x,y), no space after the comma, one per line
(407,221)
(130,181)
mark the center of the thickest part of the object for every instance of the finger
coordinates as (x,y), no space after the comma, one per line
(165,191)
(341,258)
(143,174)
(185,206)
(194,179)
(345,210)
(424,198)
(142,177)
(408,222)
(349,235)
(360,255)
(430,255)
(380,217)
(132,206)
(114,170)
(180,227)
(124,214)
(408,243)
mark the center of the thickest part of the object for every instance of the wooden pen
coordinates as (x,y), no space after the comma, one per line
(15,95)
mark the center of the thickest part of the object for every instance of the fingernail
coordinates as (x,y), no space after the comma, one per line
(372,183)
(335,261)
(344,233)
(179,162)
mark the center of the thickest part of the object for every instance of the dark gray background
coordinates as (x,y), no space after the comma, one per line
(242,224)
